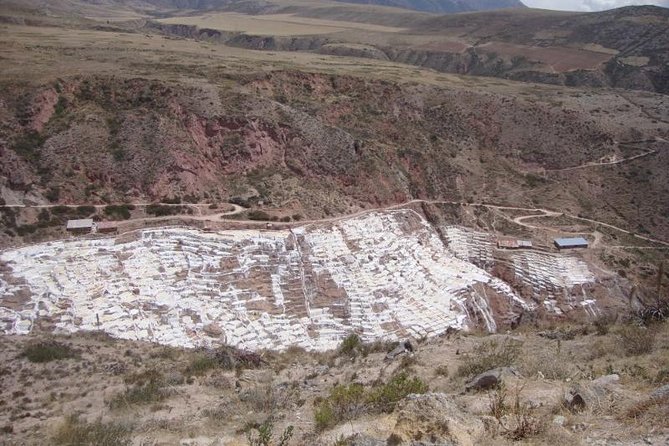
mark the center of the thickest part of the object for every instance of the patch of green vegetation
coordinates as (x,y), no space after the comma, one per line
(60,107)
(350,344)
(73,431)
(53,194)
(258,215)
(264,433)
(85,211)
(386,396)
(27,229)
(60,210)
(533,181)
(171,200)
(162,211)
(118,211)
(346,402)
(28,145)
(47,351)
(118,152)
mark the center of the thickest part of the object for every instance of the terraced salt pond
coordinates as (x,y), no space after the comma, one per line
(383,275)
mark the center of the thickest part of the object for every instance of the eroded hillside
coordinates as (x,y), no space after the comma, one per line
(335,144)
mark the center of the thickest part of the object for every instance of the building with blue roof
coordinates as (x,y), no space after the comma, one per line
(570,243)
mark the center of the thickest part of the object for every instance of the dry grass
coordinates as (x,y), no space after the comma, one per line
(489,355)
(516,421)
(636,340)
(74,431)
(274,24)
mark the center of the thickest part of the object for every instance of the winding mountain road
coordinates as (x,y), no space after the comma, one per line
(221,216)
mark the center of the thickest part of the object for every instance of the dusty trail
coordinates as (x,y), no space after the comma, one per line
(606,163)
(218,217)
(615,161)
(236,208)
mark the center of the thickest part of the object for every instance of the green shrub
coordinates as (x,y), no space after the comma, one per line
(259,215)
(80,433)
(350,344)
(171,200)
(385,397)
(47,351)
(264,435)
(163,211)
(26,229)
(60,209)
(346,402)
(117,211)
(85,211)
(28,145)
(324,417)
(53,194)
(489,355)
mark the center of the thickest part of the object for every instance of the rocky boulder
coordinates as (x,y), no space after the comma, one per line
(490,379)
(437,418)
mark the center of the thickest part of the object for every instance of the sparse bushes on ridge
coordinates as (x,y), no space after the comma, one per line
(47,351)
(28,145)
(201,365)
(489,355)
(353,346)
(80,433)
(516,421)
(603,323)
(636,340)
(145,388)
(159,210)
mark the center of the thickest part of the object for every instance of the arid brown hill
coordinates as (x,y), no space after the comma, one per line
(444,6)
(335,143)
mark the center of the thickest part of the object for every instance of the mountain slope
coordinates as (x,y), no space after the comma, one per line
(444,6)
(334,143)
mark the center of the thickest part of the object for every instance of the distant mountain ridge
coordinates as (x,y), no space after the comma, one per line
(444,6)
